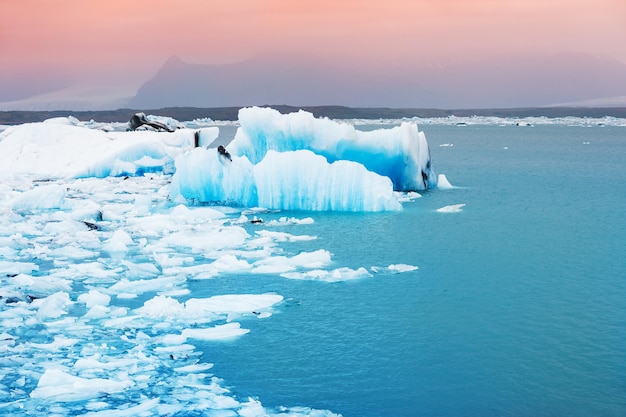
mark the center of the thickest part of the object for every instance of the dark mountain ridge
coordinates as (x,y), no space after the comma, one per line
(506,82)
(332,112)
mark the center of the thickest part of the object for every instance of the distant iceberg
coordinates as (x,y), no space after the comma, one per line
(299,162)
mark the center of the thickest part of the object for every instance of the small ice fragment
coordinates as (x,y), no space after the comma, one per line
(455,208)
(443,183)
(402,267)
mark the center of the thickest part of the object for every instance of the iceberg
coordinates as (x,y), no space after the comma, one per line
(60,150)
(400,153)
(298,162)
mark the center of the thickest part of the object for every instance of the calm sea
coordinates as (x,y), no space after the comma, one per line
(518,307)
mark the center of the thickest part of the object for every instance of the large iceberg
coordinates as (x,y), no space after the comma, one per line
(298,162)
(400,153)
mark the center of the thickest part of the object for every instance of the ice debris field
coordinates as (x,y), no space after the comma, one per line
(102,230)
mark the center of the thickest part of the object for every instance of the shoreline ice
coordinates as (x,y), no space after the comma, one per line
(95,262)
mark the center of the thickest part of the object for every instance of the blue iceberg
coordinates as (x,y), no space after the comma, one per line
(298,162)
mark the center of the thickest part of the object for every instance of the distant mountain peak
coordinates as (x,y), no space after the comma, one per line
(300,79)
(173,60)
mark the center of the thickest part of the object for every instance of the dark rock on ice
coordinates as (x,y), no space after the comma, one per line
(140,119)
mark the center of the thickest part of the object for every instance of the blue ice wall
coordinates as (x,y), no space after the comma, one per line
(293,180)
(400,153)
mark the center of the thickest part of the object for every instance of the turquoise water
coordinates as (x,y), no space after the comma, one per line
(518,307)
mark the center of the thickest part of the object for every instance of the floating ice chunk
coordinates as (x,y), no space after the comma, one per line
(53,306)
(443,183)
(229,263)
(60,342)
(11,268)
(200,367)
(57,385)
(141,270)
(224,331)
(212,239)
(145,408)
(455,208)
(141,286)
(408,196)
(42,285)
(173,339)
(284,237)
(284,221)
(64,226)
(280,264)
(231,303)
(43,197)
(336,275)
(92,363)
(183,214)
(315,259)
(162,306)
(97,312)
(71,251)
(252,408)
(91,272)
(118,242)
(165,260)
(85,210)
(402,267)
(94,298)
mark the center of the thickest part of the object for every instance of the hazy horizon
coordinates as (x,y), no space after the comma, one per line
(69,51)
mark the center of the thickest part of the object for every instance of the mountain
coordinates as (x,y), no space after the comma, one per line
(513,81)
(271,79)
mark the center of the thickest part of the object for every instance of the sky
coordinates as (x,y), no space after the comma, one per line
(116,45)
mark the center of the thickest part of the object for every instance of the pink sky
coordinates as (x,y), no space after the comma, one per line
(125,42)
